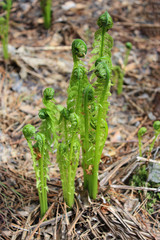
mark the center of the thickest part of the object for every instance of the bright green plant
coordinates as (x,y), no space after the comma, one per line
(83,123)
(96,104)
(4,26)
(141,132)
(156,126)
(68,153)
(39,153)
(71,123)
(46,6)
(118,72)
(50,118)
(103,42)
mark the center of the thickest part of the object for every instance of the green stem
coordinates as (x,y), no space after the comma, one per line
(5,46)
(70,193)
(47,16)
(94,189)
(86,141)
(126,57)
(102,43)
(140,146)
(154,140)
(36,172)
(43,182)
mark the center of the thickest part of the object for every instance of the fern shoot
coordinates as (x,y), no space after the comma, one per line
(68,153)
(88,146)
(46,6)
(156,126)
(49,116)
(102,92)
(141,132)
(39,153)
(103,42)
(118,72)
(4,27)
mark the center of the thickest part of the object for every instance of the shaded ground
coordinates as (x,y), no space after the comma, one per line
(41,59)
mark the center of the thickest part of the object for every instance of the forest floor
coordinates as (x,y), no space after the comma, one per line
(40,59)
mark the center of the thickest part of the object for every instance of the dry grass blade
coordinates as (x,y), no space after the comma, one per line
(122,224)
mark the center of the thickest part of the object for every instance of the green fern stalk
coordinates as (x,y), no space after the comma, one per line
(121,72)
(156,126)
(39,155)
(68,153)
(103,42)
(103,73)
(88,144)
(46,6)
(141,132)
(4,27)
(49,116)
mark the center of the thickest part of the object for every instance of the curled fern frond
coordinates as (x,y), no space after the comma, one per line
(156,126)
(43,113)
(129,45)
(103,42)
(76,88)
(29,131)
(102,70)
(79,49)
(142,131)
(105,21)
(48,94)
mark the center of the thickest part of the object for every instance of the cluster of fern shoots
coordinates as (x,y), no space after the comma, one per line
(80,126)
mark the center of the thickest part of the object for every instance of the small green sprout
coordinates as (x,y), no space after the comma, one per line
(48,93)
(46,6)
(129,45)
(82,124)
(39,156)
(141,132)
(118,72)
(29,131)
(4,26)
(156,126)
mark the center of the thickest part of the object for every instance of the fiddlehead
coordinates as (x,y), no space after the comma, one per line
(103,42)
(79,50)
(49,116)
(141,132)
(29,131)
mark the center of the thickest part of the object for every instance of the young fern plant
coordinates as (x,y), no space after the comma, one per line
(141,132)
(4,26)
(156,126)
(96,104)
(39,153)
(40,144)
(68,153)
(46,6)
(82,123)
(118,72)
(50,117)
(102,92)
(71,122)
(103,42)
